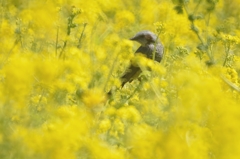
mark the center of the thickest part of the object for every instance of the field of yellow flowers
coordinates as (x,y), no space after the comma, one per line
(58,60)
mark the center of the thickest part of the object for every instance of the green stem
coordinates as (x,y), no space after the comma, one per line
(227,50)
(63,48)
(154,50)
(234,86)
(111,70)
(9,53)
(81,36)
(56,46)
(197,33)
(70,26)
(197,6)
(134,92)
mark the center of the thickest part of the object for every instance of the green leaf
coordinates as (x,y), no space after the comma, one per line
(179,9)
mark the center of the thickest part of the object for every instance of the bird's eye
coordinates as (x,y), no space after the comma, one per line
(148,37)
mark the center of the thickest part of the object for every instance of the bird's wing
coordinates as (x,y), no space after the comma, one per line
(145,50)
(159,52)
(148,51)
(131,73)
(134,71)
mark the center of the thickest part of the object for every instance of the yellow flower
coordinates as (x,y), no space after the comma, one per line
(18,78)
(110,111)
(36,99)
(76,11)
(105,125)
(66,112)
(143,139)
(47,71)
(15,118)
(126,49)
(118,128)
(93,98)
(1,138)
(124,18)
(129,113)
(160,27)
(232,75)
(6,29)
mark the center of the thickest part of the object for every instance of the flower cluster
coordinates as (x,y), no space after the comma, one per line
(59,59)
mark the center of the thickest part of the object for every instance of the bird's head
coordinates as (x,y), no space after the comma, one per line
(145,37)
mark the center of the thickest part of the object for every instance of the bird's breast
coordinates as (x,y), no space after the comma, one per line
(147,50)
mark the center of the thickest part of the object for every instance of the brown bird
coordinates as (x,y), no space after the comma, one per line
(148,41)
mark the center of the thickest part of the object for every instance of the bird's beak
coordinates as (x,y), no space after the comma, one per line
(133,38)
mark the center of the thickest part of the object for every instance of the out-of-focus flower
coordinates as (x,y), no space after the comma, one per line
(93,98)
(129,113)
(160,27)
(105,125)
(124,18)
(118,128)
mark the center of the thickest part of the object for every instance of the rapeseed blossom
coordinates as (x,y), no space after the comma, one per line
(60,58)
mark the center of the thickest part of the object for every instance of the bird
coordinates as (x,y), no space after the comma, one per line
(149,43)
